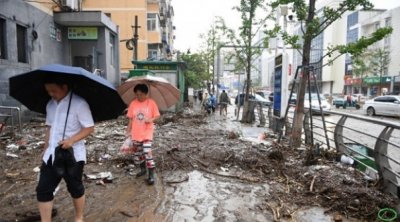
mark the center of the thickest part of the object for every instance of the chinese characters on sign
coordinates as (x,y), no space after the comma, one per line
(82,33)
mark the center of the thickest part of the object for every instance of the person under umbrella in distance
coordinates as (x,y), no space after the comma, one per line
(142,112)
(69,120)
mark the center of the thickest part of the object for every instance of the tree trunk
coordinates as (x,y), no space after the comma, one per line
(299,113)
(245,116)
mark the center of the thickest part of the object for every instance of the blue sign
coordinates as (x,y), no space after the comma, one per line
(277,91)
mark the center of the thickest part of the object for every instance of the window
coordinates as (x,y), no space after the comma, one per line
(391,99)
(21,44)
(112,49)
(152,51)
(388,23)
(151,22)
(377,26)
(382,99)
(3,39)
(352,19)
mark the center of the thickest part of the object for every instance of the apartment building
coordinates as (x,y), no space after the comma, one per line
(155,32)
(37,33)
(389,80)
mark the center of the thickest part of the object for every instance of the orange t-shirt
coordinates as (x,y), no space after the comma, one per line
(137,112)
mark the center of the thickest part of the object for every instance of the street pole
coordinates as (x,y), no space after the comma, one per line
(380,83)
(135,39)
(218,70)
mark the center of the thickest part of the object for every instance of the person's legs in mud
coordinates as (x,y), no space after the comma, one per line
(149,161)
(48,181)
(139,158)
(75,187)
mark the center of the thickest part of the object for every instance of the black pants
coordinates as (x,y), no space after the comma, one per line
(49,181)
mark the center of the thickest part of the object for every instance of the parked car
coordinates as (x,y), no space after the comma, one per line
(255,97)
(263,93)
(339,102)
(271,97)
(262,100)
(241,100)
(383,105)
(315,103)
(293,100)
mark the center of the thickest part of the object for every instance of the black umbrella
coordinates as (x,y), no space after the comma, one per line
(103,99)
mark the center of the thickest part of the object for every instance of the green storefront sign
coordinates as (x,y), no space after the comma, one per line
(89,33)
(375,79)
(157,66)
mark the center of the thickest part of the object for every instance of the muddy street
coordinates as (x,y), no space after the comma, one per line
(209,168)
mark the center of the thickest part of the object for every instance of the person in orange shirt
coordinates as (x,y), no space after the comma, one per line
(142,112)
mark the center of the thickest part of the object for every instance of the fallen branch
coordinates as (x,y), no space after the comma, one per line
(199,161)
(273,212)
(312,183)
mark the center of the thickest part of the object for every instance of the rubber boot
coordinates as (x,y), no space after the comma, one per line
(142,169)
(150,180)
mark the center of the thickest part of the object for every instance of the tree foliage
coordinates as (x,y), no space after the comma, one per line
(313,22)
(196,73)
(242,42)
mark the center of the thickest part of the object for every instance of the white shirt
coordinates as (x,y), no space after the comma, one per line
(79,117)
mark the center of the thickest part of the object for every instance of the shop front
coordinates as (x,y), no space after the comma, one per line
(377,85)
(396,85)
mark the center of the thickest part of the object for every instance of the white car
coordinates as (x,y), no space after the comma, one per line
(315,103)
(383,105)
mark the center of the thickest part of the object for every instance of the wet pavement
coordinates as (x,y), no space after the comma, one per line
(209,168)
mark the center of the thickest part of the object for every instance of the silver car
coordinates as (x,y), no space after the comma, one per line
(383,105)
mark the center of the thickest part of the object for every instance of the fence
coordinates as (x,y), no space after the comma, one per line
(373,144)
(10,113)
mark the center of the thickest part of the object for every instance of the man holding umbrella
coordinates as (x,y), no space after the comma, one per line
(69,96)
(70,111)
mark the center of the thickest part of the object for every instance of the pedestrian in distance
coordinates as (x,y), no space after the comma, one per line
(224,101)
(142,112)
(68,120)
(195,96)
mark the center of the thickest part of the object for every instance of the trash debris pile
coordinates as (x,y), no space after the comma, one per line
(185,142)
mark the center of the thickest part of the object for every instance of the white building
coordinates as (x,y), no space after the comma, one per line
(391,78)
(331,77)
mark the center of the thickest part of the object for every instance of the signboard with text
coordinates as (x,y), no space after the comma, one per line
(278,86)
(82,33)
(375,79)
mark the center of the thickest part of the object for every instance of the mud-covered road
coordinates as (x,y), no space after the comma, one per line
(205,172)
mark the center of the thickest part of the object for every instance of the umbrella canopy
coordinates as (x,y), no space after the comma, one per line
(103,99)
(160,90)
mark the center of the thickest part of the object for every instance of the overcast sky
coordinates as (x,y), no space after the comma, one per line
(194,17)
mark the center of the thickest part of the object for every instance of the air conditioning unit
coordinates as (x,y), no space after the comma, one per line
(71,4)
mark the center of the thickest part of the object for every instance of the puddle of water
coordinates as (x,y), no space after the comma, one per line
(312,214)
(207,199)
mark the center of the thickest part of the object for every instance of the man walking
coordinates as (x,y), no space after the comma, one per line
(224,101)
(68,120)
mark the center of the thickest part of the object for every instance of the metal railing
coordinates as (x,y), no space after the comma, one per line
(10,112)
(373,144)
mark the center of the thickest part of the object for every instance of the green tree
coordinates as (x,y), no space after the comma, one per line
(380,59)
(242,43)
(361,66)
(313,24)
(197,72)
(211,39)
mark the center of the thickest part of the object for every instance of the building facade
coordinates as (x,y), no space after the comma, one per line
(155,32)
(387,81)
(35,34)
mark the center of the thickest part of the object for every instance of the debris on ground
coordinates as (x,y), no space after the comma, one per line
(185,142)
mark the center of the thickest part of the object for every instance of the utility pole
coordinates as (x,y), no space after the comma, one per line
(135,39)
